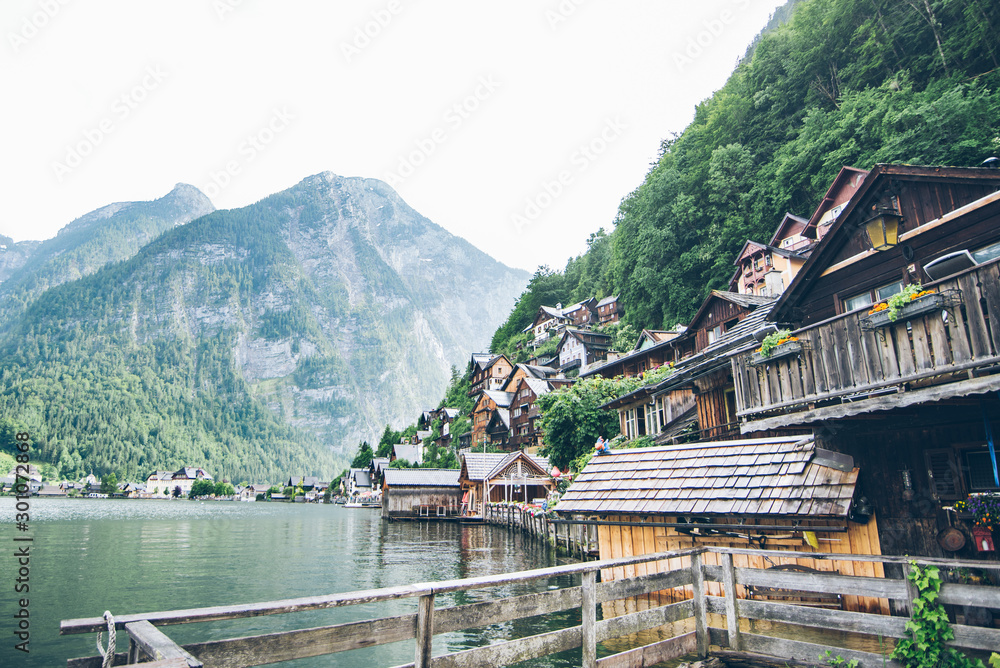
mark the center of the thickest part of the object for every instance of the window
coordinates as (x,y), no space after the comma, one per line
(871,296)
(980,470)
(986,254)
(630,423)
(768,261)
(651,424)
(714,334)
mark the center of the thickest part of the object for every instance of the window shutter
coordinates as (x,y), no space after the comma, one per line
(943,472)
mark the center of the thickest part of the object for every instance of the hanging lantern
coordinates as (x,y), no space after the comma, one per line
(883,230)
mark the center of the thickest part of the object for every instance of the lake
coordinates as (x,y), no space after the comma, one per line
(130,556)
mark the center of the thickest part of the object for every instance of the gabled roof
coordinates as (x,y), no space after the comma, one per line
(841,229)
(496,359)
(361,478)
(607,300)
(650,337)
(845,175)
(539,465)
(499,418)
(746,301)
(481,360)
(477,466)
(591,340)
(716,354)
(787,222)
(379,464)
(422,477)
(769,477)
(408,451)
(501,399)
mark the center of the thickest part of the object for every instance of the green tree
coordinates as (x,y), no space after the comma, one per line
(573,419)
(109,484)
(223,489)
(363,459)
(201,488)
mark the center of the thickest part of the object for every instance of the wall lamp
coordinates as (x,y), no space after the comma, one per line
(883,230)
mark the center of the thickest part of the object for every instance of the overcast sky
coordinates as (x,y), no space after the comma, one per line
(518,125)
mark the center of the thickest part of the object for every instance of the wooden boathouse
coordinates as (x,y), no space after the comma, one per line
(772,493)
(496,476)
(420,494)
(679,602)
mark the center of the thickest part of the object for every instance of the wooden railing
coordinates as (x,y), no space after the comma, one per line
(576,538)
(703,610)
(849,358)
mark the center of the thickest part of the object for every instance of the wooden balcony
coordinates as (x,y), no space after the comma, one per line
(851,364)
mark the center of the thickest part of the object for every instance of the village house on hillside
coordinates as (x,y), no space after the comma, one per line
(488,372)
(912,400)
(894,415)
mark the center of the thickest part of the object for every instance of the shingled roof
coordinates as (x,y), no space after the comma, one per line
(421,477)
(767,477)
(479,465)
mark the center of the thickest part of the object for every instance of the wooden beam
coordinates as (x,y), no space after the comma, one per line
(886,402)
(588,613)
(156,645)
(652,654)
(700,618)
(732,607)
(425,631)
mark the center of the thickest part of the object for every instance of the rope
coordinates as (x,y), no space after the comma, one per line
(109,653)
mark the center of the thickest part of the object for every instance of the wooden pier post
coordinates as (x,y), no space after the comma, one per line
(700,612)
(425,631)
(588,611)
(732,605)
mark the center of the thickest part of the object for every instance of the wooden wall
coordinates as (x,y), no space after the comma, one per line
(400,501)
(970,232)
(626,541)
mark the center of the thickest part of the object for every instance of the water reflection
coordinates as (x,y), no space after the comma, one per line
(140,556)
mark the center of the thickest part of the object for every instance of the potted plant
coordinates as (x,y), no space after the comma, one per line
(911,302)
(776,345)
(985,511)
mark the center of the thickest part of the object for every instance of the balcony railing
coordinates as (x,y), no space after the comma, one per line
(854,358)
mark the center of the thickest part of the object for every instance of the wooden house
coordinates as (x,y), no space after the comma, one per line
(420,494)
(609,310)
(778,493)
(763,269)
(914,400)
(547,320)
(525,419)
(580,348)
(498,432)
(489,401)
(582,314)
(650,352)
(495,477)
(488,372)
(522,371)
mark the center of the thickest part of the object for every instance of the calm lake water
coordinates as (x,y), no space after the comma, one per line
(92,555)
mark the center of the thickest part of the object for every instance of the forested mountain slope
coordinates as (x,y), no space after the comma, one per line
(257,342)
(841,82)
(110,234)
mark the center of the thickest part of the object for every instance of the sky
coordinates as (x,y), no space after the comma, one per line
(517,125)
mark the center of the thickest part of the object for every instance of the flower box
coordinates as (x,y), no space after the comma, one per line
(983,539)
(917,307)
(784,350)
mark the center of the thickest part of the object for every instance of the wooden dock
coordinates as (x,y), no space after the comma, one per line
(631,605)
(573,537)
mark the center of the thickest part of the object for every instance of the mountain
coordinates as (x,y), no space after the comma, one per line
(259,342)
(110,234)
